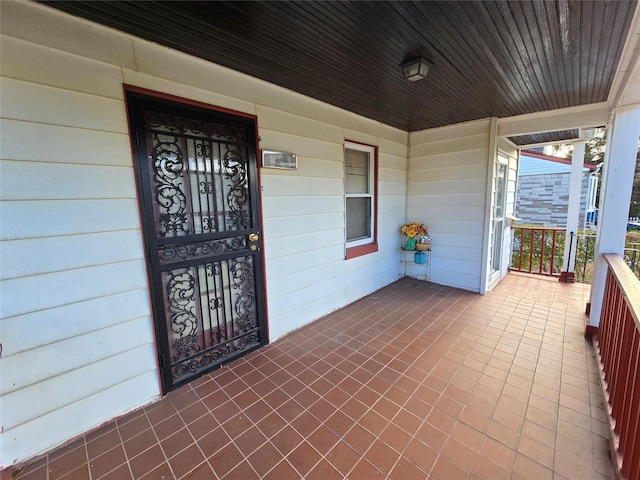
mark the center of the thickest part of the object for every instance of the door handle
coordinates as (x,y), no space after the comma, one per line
(254,237)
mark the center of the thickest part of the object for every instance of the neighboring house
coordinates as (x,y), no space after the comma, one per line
(143,244)
(543,190)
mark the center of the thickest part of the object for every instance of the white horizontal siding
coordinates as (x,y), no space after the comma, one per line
(48,395)
(309,167)
(369,278)
(281,206)
(280,185)
(307,275)
(61,32)
(396,150)
(447,190)
(446,159)
(458,240)
(74,289)
(464,253)
(279,286)
(204,95)
(283,266)
(162,63)
(450,173)
(392,189)
(468,185)
(315,222)
(42,218)
(39,435)
(355,286)
(451,199)
(308,147)
(457,214)
(57,181)
(284,246)
(47,66)
(450,132)
(297,125)
(75,314)
(389,214)
(539,166)
(302,296)
(60,288)
(440,273)
(454,226)
(37,329)
(33,102)
(391,202)
(292,318)
(23,258)
(394,174)
(464,143)
(65,144)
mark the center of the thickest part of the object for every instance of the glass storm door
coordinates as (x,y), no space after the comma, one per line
(499,200)
(198,192)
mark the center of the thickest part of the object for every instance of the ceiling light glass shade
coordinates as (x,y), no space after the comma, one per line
(415,69)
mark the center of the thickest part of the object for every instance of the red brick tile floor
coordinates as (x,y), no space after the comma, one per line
(415,381)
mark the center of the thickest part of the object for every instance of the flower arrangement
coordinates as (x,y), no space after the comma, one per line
(416,233)
(414,229)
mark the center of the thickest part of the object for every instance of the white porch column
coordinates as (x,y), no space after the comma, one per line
(573,213)
(613,212)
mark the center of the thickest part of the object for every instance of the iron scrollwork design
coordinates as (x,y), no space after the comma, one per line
(203,149)
(187,126)
(176,182)
(238,192)
(243,280)
(183,251)
(168,170)
(216,354)
(206,187)
(245,334)
(181,292)
(209,224)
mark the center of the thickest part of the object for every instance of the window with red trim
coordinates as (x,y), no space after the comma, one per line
(361,198)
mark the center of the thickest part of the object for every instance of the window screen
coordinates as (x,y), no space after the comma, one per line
(358,218)
(357,171)
(358,192)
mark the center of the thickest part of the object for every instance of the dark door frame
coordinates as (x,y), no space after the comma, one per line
(136,98)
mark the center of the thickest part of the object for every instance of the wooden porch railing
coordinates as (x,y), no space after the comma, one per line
(538,250)
(618,347)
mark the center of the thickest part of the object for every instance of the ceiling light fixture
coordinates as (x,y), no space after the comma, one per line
(415,69)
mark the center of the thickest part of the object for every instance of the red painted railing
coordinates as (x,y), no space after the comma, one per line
(618,345)
(537,250)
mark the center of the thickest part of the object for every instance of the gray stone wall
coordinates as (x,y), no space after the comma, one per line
(544,199)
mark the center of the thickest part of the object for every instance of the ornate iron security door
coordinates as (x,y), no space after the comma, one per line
(198,191)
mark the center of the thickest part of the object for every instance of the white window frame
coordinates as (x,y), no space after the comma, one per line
(371,195)
(499,223)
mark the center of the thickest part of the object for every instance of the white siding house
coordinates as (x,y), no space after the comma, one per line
(77,335)
(447,187)
(450,183)
(77,329)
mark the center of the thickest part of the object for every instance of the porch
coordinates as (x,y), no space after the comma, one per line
(414,381)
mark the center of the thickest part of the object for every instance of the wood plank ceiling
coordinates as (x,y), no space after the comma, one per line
(490,58)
